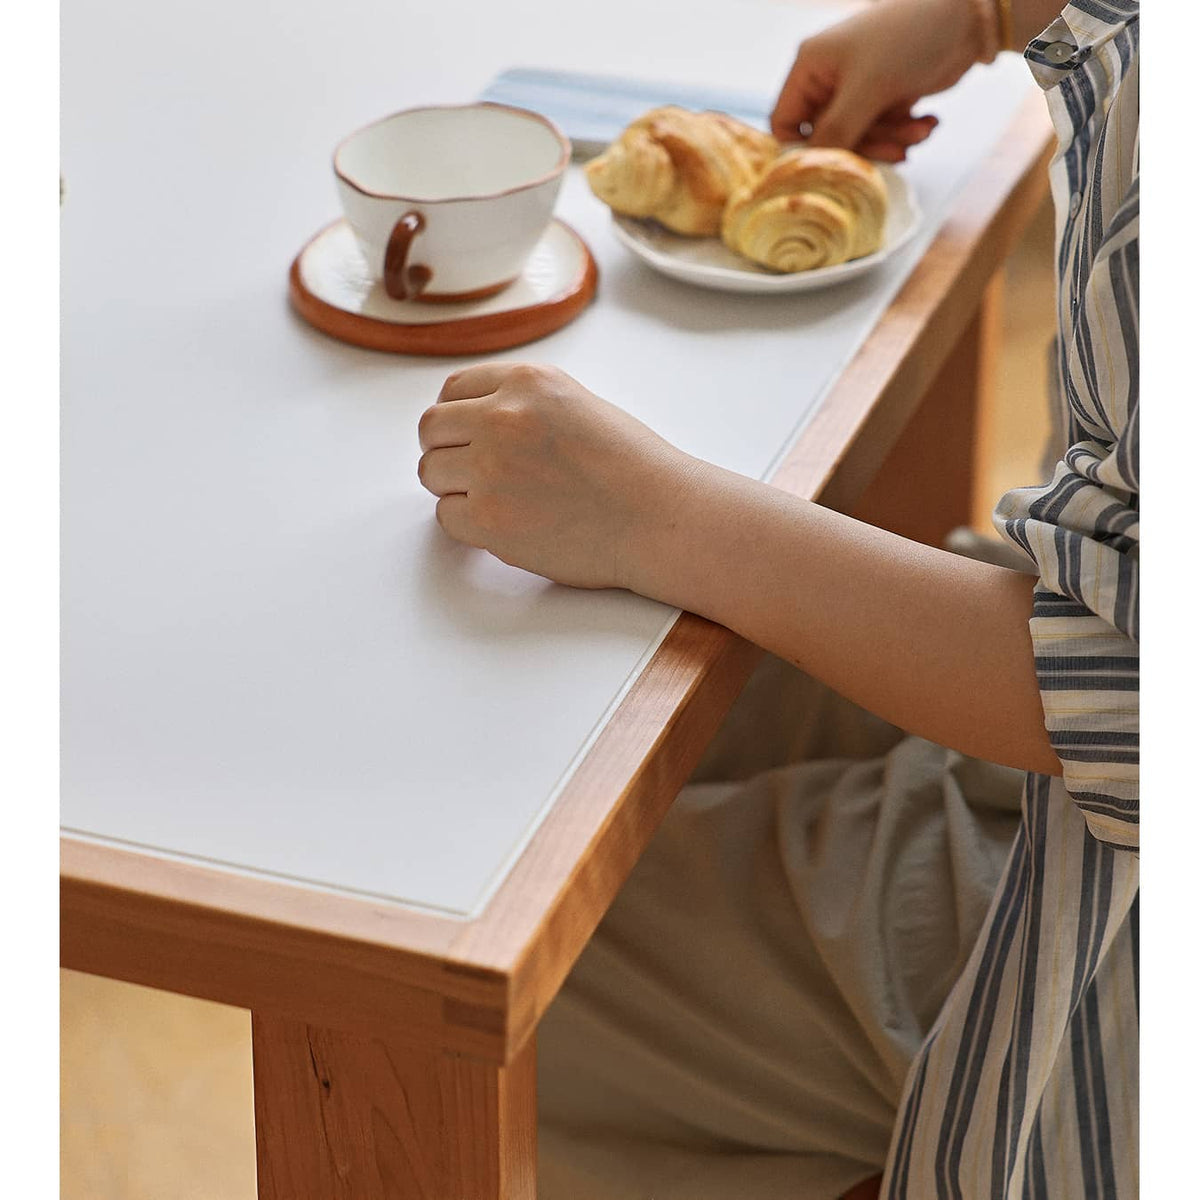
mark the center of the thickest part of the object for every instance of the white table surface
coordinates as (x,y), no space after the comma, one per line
(272,658)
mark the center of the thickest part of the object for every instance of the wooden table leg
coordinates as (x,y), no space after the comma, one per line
(339,1117)
(925,487)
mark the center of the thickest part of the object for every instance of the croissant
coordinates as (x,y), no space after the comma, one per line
(811,208)
(680,167)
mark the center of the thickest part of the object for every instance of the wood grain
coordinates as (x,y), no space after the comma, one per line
(339,1117)
(926,485)
(480,986)
(215,953)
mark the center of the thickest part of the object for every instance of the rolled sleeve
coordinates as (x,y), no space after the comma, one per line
(1082,533)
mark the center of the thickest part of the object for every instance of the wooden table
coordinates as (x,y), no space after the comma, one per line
(243,749)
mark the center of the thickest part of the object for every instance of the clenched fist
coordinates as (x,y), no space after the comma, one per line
(531,466)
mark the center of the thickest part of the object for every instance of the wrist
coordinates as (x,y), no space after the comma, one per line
(714,541)
(666,544)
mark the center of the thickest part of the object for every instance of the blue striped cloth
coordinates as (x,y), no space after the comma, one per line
(1027,1087)
(593,109)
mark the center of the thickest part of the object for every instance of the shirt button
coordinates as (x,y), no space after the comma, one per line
(1076,201)
(1059,52)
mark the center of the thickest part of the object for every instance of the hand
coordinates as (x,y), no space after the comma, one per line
(531,466)
(856,82)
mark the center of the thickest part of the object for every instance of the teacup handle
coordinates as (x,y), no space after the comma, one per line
(401,281)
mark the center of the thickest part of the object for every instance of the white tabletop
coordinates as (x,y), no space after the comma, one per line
(272,658)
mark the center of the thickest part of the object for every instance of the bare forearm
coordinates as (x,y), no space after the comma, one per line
(930,641)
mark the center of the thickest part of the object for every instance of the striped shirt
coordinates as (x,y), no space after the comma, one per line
(1027,1086)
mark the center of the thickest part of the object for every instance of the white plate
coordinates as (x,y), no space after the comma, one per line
(708,262)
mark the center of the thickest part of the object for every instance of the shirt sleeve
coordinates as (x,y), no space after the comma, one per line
(1082,532)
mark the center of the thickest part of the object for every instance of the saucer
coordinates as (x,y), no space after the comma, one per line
(707,262)
(331,288)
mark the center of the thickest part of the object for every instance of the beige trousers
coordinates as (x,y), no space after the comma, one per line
(741,1024)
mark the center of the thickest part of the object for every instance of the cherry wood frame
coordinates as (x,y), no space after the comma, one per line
(397,1045)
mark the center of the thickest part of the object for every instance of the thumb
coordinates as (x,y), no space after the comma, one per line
(804,93)
(849,115)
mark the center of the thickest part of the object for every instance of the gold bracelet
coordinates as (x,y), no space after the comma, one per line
(1004,19)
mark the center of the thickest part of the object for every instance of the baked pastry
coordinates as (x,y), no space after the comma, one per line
(680,167)
(810,208)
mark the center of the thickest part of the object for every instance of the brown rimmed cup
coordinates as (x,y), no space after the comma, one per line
(448,202)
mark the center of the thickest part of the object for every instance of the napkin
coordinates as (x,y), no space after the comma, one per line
(593,109)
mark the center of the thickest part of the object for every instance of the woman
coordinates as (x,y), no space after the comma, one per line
(761,1015)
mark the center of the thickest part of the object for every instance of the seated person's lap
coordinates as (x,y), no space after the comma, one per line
(742,1021)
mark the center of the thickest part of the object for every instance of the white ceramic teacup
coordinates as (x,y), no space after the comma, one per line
(448,202)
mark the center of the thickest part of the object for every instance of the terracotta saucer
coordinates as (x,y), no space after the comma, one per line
(331,289)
